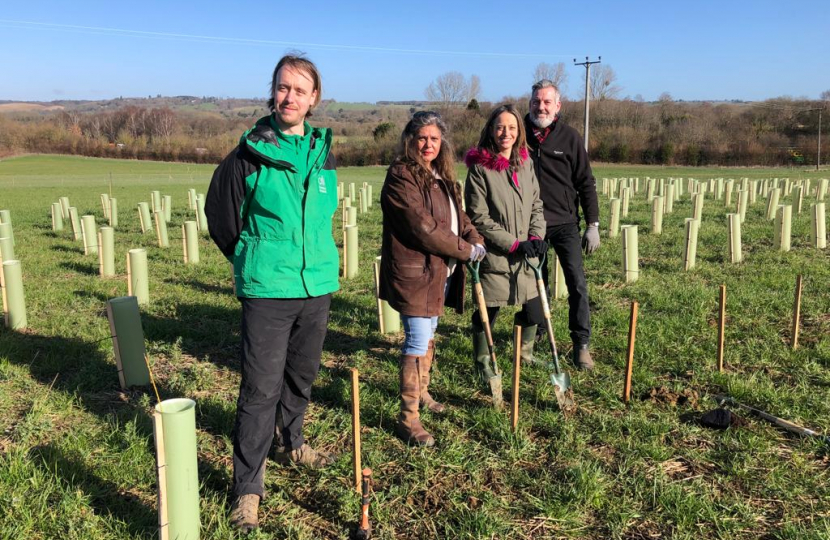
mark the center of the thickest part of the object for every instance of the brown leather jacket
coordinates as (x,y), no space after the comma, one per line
(418,242)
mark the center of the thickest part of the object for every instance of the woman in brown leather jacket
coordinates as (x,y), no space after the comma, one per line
(427,238)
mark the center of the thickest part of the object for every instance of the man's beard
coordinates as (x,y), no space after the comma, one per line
(541,123)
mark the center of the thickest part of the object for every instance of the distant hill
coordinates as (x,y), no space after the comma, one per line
(23,106)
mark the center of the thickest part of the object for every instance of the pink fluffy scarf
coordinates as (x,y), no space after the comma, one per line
(497,162)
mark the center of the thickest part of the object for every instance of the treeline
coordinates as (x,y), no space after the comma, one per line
(769,133)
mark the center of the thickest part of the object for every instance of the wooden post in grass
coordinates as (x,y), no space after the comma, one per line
(137,277)
(657,215)
(797,311)
(818,232)
(161,229)
(517,366)
(106,252)
(113,212)
(614,222)
(690,245)
(721,325)
(733,226)
(358,469)
(783,227)
(75,221)
(144,217)
(629,358)
(631,255)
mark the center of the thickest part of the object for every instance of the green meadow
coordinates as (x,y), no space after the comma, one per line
(77,454)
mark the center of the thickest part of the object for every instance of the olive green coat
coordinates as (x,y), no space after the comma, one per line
(504,214)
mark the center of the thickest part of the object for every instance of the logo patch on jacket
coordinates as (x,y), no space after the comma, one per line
(321,184)
(558,152)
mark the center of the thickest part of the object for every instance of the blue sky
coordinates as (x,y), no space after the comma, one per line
(699,50)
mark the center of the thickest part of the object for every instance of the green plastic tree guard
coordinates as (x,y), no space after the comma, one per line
(369,195)
(352,251)
(65,207)
(339,191)
(818,232)
(75,222)
(733,226)
(167,205)
(631,253)
(161,229)
(364,202)
(389,320)
(772,203)
(697,206)
(798,198)
(105,205)
(190,242)
(668,199)
(352,191)
(614,222)
(155,201)
(14,301)
(690,245)
(743,200)
(6,249)
(57,217)
(657,215)
(560,289)
(138,284)
(821,190)
(753,192)
(174,430)
(144,217)
(200,212)
(6,232)
(650,189)
(351,216)
(347,202)
(6,219)
(89,232)
(783,227)
(106,251)
(730,187)
(191,199)
(626,201)
(113,212)
(128,341)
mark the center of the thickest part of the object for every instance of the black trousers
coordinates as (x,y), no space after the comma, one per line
(282,341)
(530,314)
(567,244)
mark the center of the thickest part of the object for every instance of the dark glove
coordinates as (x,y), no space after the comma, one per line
(526,249)
(540,247)
(590,240)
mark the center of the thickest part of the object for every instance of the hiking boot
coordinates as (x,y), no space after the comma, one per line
(425,367)
(305,456)
(582,358)
(244,513)
(485,368)
(409,428)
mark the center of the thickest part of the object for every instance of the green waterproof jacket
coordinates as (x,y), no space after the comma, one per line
(269,208)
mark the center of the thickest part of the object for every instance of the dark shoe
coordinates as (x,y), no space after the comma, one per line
(425,366)
(244,513)
(582,358)
(306,456)
(541,333)
(409,428)
(485,368)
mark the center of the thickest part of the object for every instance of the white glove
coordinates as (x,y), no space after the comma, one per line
(478,253)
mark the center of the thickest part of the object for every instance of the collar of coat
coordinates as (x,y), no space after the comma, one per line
(494,162)
(270,146)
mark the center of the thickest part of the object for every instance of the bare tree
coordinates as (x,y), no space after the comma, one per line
(474,88)
(825,96)
(553,72)
(603,83)
(161,123)
(449,89)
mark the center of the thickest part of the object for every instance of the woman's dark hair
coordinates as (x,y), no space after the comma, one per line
(488,142)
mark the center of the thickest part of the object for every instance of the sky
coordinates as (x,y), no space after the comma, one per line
(373,51)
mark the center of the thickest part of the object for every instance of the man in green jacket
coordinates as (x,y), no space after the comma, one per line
(269,209)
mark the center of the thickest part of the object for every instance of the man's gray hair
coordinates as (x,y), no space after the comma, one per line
(545,83)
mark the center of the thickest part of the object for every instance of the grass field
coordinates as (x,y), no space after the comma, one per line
(77,456)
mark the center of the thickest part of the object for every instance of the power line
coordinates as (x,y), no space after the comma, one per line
(99,30)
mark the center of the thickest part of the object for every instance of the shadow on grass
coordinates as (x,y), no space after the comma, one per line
(202,286)
(68,249)
(90,268)
(106,497)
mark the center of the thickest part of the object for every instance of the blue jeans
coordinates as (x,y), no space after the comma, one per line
(417,333)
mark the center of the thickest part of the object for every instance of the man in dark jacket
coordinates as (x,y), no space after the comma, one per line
(566,183)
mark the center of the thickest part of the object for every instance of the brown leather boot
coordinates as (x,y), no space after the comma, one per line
(425,368)
(409,428)
(244,513)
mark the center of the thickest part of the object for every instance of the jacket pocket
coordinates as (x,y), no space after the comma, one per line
(409,272)
(495,264)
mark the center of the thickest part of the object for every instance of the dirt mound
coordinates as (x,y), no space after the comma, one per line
(661,394)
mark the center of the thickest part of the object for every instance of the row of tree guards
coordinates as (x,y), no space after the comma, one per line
(663,193)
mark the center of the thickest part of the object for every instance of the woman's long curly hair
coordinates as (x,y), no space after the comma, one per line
(444,163)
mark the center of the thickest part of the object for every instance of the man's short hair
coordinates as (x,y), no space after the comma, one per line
(545,83)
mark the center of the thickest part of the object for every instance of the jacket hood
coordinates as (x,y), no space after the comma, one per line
(266,142)
(497,162)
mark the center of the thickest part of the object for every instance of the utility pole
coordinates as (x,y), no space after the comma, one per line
(587,63)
